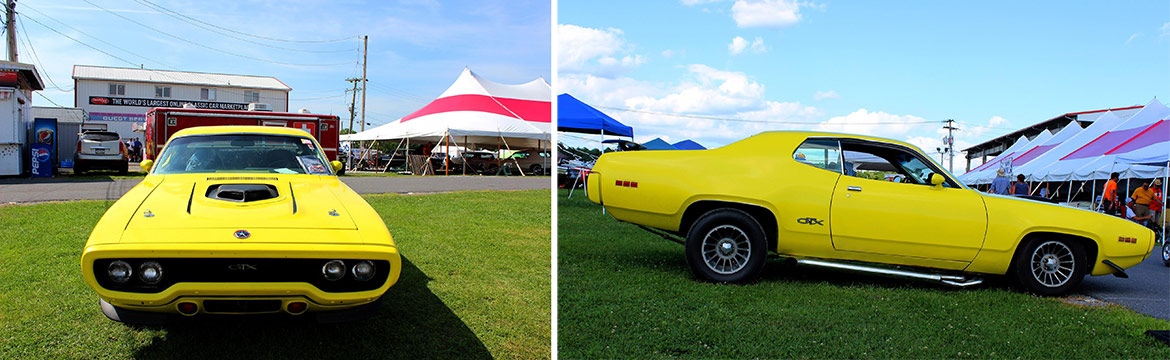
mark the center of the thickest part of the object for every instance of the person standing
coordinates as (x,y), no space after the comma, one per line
(1044,191)
(1001,184)
(1109,196)
(1021,187)
(1142,197)
(1156,203)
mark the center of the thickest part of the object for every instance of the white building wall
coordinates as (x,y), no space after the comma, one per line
(121,119)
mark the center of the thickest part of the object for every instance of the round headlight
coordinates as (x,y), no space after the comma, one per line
(333,270)
(150,272)
(363,270)
(120,271)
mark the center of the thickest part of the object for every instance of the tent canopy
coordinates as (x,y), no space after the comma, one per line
(658,144)
(688,144)
(476,111)
(576,116)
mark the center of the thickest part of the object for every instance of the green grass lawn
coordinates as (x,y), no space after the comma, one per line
(626,293)
(475,284)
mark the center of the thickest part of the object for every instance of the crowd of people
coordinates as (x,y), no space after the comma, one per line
(134,150)
(1143,205)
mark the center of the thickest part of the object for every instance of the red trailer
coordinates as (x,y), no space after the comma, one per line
(161,123)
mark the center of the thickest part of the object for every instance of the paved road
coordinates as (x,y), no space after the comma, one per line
(1147,290)
(30,190)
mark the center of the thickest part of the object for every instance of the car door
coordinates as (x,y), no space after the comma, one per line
(910,218)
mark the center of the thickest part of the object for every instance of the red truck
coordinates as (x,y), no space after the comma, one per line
(161,123)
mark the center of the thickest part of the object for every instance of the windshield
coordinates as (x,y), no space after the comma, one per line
(246,153)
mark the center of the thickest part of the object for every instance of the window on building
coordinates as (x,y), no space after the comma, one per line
(162,91)
(252,96)
(117,89)
(207,94)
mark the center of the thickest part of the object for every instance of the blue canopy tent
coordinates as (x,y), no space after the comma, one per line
(576,116)
(688,144)
(658,144)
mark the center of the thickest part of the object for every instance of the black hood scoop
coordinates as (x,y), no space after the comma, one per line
(241,192)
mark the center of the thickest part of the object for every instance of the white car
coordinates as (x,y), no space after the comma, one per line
(100,150)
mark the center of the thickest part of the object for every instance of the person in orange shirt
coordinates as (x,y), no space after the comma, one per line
(1142,197)
(1109,197)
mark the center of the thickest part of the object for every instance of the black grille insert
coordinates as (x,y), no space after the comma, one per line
(242,192)
(177,270)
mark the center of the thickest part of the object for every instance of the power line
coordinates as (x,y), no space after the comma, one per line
(205,46)
(86,34)
(37,58)
(257,36)
(50,100)
(188,20)
(760,121)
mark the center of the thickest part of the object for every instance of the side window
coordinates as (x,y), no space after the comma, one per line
(888,163)
(821,153)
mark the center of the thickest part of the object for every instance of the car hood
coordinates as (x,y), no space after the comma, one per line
(188,202)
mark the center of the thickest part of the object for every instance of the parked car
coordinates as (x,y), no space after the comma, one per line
(533,161)
(240,220)
(772,193)
(482,161)
(100,150)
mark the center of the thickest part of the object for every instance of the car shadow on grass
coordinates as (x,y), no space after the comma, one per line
(412,323)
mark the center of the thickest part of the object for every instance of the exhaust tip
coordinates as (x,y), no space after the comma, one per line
(188,308)
(296,307)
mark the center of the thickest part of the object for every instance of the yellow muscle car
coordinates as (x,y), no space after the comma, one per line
(823,199)
(240,220)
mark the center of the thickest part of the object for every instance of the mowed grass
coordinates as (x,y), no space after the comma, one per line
(475,284)
(626,293)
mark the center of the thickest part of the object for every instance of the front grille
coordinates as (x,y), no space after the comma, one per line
(241,306)
(264,270)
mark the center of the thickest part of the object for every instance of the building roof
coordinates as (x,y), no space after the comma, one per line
(88,72)
(1082,117)
(28,71)
(62,114)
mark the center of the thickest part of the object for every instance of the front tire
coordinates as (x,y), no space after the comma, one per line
(1050,267)
(726,246)
(1165,253)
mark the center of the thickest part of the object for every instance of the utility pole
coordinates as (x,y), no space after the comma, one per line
(951,144)
(365,51)
(10,27)
(352,102)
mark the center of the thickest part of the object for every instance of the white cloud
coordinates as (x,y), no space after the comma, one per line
(668,53)
(821,95)
(739,44)
(601,52)
(1131,37)
(875,123)
(766,13)
(1166,29)
(698,2)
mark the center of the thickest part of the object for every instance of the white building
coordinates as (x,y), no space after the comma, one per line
(17,83)
(120,97)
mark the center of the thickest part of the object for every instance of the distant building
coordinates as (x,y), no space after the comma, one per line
(120,97)
(17,83)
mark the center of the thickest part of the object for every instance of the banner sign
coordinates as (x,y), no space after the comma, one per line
(9,78)
(117,101)
(99,116)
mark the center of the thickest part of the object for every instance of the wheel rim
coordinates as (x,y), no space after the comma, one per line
(726,249)
(1165,253)
(1053,264)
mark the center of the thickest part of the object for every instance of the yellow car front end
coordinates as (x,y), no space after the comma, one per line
(239,220)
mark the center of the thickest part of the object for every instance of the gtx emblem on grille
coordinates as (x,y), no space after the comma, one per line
(242,267)
(242,234)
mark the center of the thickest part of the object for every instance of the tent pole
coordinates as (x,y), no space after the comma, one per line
(464,150)
(392,156)
(446,156)
(1069,191)
(408,157)
(1093,197)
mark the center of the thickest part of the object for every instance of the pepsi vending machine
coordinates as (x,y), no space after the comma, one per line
(44,147)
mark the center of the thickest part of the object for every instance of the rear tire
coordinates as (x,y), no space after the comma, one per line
(726,246)
(537,169)
(1165,253)
(125,168)
(78,167)
(1050,267)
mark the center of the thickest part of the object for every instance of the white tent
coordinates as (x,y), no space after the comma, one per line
(1151,149)
(1029,159)
(1035,169)
(1092,161)
(476,111)
(986,172)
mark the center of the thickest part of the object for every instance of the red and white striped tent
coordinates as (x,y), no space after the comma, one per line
(476,111)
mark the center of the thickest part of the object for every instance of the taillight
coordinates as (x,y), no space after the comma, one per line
(122,149)
(79,146)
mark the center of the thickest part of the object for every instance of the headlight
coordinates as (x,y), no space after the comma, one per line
(120,271)
(150,272)
(333,270)
(363,270)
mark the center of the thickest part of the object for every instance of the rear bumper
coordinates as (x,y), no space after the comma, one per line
(104,161)
(168,299)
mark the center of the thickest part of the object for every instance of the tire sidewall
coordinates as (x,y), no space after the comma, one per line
(1165,248)
(737,218)
(1023,275)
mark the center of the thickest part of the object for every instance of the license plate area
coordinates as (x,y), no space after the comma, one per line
(241,306)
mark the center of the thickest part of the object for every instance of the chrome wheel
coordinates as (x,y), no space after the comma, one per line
(726,249)
(1165,253)
(1052,264)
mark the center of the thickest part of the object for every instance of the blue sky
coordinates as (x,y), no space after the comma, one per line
(416,49)
(843,66)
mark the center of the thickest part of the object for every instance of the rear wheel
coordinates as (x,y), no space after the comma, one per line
(727,246)
(1165,253)
(537,169)
(125,168)
(1050,266)
(78,167)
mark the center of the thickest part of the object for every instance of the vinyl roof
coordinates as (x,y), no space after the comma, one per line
(88,72)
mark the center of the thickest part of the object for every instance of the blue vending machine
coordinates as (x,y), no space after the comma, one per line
(44,147)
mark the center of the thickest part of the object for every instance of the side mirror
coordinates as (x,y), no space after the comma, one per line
(337,165)
(936,179)
(146,164)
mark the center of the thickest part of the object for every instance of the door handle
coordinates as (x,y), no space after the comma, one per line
(854,188)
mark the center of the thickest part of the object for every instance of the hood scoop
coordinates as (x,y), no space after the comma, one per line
(242,193)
